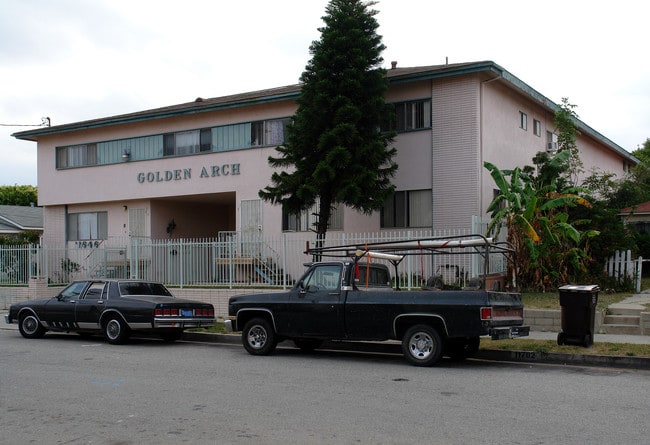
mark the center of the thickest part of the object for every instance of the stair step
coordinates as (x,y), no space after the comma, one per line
(631,320)
(625,309)
(620,329)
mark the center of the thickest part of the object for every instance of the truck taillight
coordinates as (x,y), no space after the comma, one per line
(486,313)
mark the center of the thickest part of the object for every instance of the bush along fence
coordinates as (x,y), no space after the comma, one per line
(230,260)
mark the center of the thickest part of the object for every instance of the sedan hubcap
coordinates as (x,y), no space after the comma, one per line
(30,325)
(113,329)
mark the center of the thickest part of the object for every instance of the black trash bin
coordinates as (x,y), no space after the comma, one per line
(578,305)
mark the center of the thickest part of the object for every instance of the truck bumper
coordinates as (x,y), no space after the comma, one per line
(506,332)
(7,319)
(229,325)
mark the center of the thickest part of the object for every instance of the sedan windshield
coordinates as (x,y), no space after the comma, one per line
(143,288)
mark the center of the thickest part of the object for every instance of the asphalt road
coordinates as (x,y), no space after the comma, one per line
(63,389)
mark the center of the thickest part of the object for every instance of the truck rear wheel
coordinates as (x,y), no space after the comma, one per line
(422,346)
(258,337)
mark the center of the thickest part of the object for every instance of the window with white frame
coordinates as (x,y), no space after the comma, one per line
(87,226)
(523,120)
(76,155)
(537,127)
(187,142)
(411,208)
(307,219)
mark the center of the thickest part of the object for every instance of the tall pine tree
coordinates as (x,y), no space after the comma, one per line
(334,151)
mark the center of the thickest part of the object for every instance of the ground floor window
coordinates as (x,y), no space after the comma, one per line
(409,208)
(87,226)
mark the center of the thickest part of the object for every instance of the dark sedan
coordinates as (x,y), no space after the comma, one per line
(115,308)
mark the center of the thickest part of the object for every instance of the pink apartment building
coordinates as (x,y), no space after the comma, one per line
(194,169)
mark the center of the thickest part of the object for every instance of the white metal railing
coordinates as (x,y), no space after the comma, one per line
(231,260)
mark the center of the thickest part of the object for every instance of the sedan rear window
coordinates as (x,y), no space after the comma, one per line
(142,288)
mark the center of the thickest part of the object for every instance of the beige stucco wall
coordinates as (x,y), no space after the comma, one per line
(474,119)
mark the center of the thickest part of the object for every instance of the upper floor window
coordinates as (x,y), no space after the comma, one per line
(87,226)
(551,141)
(523,120)
(76,155)
(411,208)
(187,142)
(537,127)
(412,115)
(270,132)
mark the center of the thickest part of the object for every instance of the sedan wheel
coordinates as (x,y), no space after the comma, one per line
(30,327)
(116,331)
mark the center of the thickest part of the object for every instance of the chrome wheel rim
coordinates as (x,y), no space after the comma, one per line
(257,337)
(421,345)
(113,329)
(30,324)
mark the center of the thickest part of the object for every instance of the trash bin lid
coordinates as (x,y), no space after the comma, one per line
(579,288)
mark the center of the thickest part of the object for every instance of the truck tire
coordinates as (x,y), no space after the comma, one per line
(258,337)
(422,346)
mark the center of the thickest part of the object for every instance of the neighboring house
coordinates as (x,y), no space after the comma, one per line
(637,217)
(17,219)
(193,170)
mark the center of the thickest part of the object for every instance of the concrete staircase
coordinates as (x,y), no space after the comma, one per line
(624,319)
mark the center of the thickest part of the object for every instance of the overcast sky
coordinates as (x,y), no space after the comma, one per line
(73,60)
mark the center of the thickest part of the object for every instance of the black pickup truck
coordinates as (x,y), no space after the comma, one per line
(351,300)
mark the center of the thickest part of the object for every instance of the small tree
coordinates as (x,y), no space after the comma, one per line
(550,248)
(334,152)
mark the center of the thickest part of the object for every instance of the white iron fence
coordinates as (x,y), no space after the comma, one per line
(230,260)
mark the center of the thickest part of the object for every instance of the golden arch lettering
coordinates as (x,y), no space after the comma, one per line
(212,171)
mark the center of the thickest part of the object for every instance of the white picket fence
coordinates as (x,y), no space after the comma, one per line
(621,266)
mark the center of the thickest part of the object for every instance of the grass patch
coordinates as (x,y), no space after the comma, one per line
(611,349)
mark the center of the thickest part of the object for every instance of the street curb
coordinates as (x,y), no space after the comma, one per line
(642,363)
(556,358)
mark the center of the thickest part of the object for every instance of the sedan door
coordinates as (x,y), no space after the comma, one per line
(91,305)
(59,312)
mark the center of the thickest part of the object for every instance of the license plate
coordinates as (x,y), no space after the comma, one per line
(187,312)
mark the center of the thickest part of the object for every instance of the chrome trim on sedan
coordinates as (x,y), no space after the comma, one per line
(171,322)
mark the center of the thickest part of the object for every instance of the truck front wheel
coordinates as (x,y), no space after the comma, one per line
(422,346)
(258,337)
